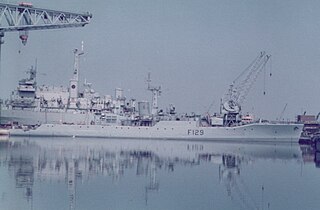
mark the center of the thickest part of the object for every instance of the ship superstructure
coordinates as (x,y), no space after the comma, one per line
(31,104)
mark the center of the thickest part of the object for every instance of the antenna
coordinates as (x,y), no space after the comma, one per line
(35,69)
(149,80)
(284,109)
(36,64)
(82,46)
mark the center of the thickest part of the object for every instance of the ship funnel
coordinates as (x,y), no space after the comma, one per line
(143,108)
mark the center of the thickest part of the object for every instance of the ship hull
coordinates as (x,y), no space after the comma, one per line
(256,132)
(31,117)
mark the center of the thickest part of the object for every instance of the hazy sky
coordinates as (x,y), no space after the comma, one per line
(193,48)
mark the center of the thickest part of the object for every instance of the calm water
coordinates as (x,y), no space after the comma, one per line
(66,173)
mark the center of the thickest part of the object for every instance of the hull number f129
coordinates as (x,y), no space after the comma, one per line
(195,132)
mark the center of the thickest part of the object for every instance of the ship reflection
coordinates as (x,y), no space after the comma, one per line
(310,154)
(78,160)
(23,170)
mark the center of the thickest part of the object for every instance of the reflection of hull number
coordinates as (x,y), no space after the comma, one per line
(195,132)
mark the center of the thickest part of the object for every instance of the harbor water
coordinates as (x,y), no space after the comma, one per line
(79,173)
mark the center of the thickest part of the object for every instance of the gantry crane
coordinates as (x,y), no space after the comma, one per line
(239,89)
(25,17)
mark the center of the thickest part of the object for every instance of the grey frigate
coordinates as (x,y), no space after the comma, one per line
(68,112)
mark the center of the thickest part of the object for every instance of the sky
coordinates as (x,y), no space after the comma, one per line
(194,49)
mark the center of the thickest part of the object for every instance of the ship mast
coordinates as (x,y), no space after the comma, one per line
(74,82)
(156,92)
(77,55)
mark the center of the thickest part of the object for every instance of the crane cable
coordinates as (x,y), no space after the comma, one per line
(264,76)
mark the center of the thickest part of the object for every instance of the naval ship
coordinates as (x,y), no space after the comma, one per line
(68,112)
